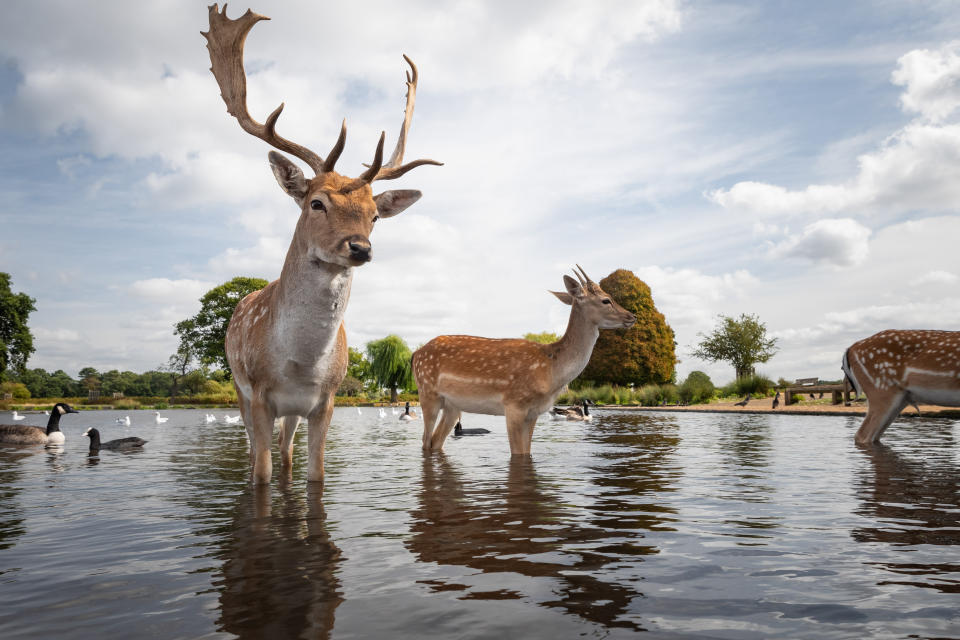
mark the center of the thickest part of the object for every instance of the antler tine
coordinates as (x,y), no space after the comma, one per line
(334,154)
(225,41)
(584,274)
(583,283)
(393,169)
(370,174)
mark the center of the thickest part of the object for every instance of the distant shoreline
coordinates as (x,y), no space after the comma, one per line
(764,406)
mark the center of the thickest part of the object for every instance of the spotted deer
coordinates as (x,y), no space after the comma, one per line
(286,343)
(515,378)
(895,368)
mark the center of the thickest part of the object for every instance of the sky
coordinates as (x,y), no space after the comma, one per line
(795,161)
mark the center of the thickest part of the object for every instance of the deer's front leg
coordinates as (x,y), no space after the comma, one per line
(261,432)
(318,423)
(448,419)
(880,413)
(520,423)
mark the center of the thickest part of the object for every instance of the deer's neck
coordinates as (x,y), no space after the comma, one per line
(572,352)
(311,299)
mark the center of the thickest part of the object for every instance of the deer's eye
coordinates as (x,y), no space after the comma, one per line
(317,205)
(375,218)
(606,301)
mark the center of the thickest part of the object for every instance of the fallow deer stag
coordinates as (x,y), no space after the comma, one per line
(896,368)
(515,378)
(286,343)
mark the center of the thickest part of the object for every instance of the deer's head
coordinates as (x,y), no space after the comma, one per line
(593,302)
(337,213)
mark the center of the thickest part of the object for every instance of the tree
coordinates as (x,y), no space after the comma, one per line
(202,336)
(644,353)
(390,364)
(544,337)
(16,341)
(742,342)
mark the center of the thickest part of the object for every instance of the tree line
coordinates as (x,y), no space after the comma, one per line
(643,355)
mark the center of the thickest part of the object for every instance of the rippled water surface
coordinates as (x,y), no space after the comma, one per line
(681,525)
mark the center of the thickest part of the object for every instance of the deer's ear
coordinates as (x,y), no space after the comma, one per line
(563,296)
(289,176)
(390,203)
(573,287)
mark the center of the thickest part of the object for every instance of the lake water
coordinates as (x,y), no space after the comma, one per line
(682,525)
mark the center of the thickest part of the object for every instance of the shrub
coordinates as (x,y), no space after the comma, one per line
(697,388)
(756,385)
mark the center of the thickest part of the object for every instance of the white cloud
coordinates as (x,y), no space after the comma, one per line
(937,277)
(915,168)
(839,242)
(43,334)
(169,291)
(932,81)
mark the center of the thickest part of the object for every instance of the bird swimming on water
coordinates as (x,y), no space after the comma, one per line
(120,444)
(580,413)
(407,415)
(458,430)
(27,434)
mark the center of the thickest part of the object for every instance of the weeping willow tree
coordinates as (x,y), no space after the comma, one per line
(390,364)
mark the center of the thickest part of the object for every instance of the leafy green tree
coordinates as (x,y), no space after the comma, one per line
(644,353)
(742,342)
(202,336)
(390,364)
(16,341)
(544,337)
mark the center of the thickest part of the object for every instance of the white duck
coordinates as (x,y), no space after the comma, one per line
(160,420)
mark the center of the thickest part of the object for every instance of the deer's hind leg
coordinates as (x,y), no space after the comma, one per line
(288,428)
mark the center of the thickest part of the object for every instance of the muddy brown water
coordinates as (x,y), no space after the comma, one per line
(678,525)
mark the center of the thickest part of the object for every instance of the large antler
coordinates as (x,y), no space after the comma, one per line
(225,41)
(394,168)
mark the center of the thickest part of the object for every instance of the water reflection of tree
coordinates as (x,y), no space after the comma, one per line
(12,515)
(914,499)
(279,567)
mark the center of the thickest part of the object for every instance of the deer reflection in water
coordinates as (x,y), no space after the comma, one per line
(520,527)
(915,501)
(279,569)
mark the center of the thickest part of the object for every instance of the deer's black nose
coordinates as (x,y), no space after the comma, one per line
(360,249)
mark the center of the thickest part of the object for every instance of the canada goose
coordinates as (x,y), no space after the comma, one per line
(16,416)
(26,434)
(407,415)
(776,400)
(580,413)
(458,430)
(159,419)
(121,444)
(743,402)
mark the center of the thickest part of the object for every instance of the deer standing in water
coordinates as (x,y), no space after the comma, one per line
(895,368)
(515,378)
(286,344)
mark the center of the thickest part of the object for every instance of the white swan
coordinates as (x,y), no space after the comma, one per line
(159,419)
(17,416)
(359,413)
(210,418)
(124,421)
(382,413)
(394,410)
(232,419)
